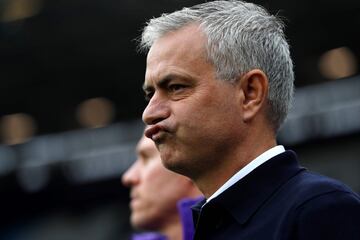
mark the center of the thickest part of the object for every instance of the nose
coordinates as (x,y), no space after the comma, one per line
(132,176)
(156,110)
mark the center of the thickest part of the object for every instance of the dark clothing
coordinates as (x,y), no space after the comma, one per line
(184,208)
(280,200)
(148,236)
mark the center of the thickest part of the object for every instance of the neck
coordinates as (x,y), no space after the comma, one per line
(239,156)
(173,228)
(173,231)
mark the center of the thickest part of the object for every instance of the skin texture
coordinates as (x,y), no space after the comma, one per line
(155,192)
(205,128)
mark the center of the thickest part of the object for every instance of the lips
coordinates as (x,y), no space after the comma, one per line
(153,131)
(135,204)
(134,199)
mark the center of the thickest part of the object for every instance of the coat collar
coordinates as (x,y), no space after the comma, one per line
(246,196)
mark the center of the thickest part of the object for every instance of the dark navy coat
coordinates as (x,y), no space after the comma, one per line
(281,200)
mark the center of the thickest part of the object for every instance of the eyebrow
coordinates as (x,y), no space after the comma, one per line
(162,82)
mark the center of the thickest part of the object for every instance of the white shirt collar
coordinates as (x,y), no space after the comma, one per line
(272,152)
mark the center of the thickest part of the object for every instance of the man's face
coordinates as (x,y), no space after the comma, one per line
(154,189)
(193,118)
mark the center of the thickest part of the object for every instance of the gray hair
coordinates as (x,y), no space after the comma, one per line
(240,37)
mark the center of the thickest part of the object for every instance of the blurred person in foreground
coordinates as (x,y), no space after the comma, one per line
(219,80)
(160,199)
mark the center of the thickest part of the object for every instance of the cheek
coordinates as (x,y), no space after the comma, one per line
(207,105)
(164,183)
(152,192)
(164,192)
(158,181)
(191,113)
(207,116)
(204,126)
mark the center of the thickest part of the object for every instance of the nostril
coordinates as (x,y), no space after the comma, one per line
(154,118)
(155,121)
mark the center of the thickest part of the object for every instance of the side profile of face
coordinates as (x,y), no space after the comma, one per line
(154,189)
(193,117)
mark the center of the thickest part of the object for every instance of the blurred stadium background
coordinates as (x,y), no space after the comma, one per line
(71,101)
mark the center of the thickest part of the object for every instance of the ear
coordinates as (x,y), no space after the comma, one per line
(254,86)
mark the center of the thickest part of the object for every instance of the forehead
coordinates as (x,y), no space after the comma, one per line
(177,51)
(189,37)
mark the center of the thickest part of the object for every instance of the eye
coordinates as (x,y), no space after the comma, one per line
(144,160)
(148,95)
(176,87)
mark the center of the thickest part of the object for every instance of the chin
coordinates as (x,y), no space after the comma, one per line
(144,223)
(178,167)
(173,161)
(138,222)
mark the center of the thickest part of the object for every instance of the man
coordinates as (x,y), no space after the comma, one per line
(156,196)
(219,81)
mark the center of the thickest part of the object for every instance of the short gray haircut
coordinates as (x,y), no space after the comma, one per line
(240,37)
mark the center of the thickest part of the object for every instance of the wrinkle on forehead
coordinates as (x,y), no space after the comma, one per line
(175,51)
(181,39)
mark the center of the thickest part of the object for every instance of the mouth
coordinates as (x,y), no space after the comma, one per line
(133,200)
(155,132)
(134,203)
